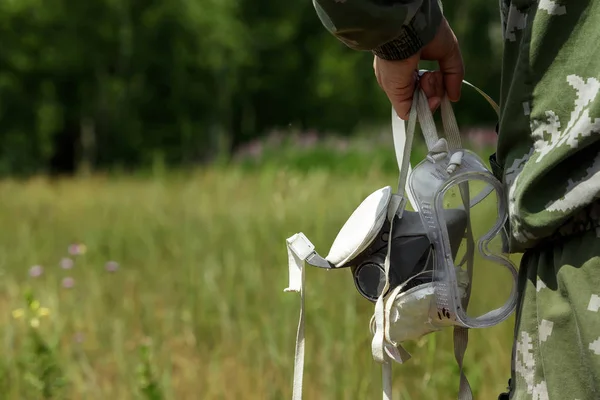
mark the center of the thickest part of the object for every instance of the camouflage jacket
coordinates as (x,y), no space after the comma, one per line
(391,29)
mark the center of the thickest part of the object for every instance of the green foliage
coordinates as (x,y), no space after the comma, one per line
(37,361)
(357,157)
(148,385)
(40,368)
(202,268)
(120,84)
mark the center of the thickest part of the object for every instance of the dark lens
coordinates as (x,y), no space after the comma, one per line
(370,280)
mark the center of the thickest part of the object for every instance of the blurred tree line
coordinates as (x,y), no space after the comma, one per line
(124,83)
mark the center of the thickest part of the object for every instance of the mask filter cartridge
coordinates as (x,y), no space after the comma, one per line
(411,254)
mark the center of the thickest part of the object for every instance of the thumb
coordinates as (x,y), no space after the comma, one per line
(397,79)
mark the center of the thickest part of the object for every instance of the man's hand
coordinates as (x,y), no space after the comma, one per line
(397,78)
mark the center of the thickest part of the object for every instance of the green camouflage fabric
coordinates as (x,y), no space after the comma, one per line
(392,30)
(548,144)
(556,354)
(548,156)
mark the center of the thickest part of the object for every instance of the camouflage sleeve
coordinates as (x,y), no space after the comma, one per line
(391,29)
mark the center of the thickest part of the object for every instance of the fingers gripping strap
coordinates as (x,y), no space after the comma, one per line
(299,248)
(481,92)
(448,119)
(403,139)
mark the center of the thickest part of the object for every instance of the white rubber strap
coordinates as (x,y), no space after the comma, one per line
(436,147)
(382,351)
(379,346)
(461,334)
(386,373)
(299,248)
(402,145)
(485,96)
(450,125)
(426,121)
(378,342)
(461,339)
(402,141)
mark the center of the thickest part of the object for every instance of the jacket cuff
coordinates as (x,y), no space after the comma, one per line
(413,36)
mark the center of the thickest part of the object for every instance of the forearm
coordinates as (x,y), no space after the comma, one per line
(391,29)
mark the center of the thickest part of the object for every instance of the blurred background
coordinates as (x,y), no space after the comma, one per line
(125,85)
(154,157)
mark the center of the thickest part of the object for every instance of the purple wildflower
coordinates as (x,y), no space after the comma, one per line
(36,271)
(68,282)
(66,263)
(307,139)
(111,266)
(77,249)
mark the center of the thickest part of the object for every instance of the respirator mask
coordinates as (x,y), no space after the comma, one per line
(417,266)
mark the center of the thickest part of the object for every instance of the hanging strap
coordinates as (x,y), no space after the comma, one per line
(403,158)
(383,350)
(485,96)
(299,248)
(438,148)
(402,145)
(461,334)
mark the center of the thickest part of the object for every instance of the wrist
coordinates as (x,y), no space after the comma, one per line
(413,36)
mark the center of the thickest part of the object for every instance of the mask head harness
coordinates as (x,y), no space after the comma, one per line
(404,261)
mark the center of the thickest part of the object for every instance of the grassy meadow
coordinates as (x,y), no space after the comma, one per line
(175,291)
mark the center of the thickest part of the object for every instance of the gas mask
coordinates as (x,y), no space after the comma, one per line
(417,266)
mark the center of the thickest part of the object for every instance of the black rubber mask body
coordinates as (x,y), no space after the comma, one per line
(411,253)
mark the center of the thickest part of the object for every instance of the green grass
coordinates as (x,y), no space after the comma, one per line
(198,301)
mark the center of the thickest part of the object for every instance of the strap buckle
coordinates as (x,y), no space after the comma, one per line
(301,246)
